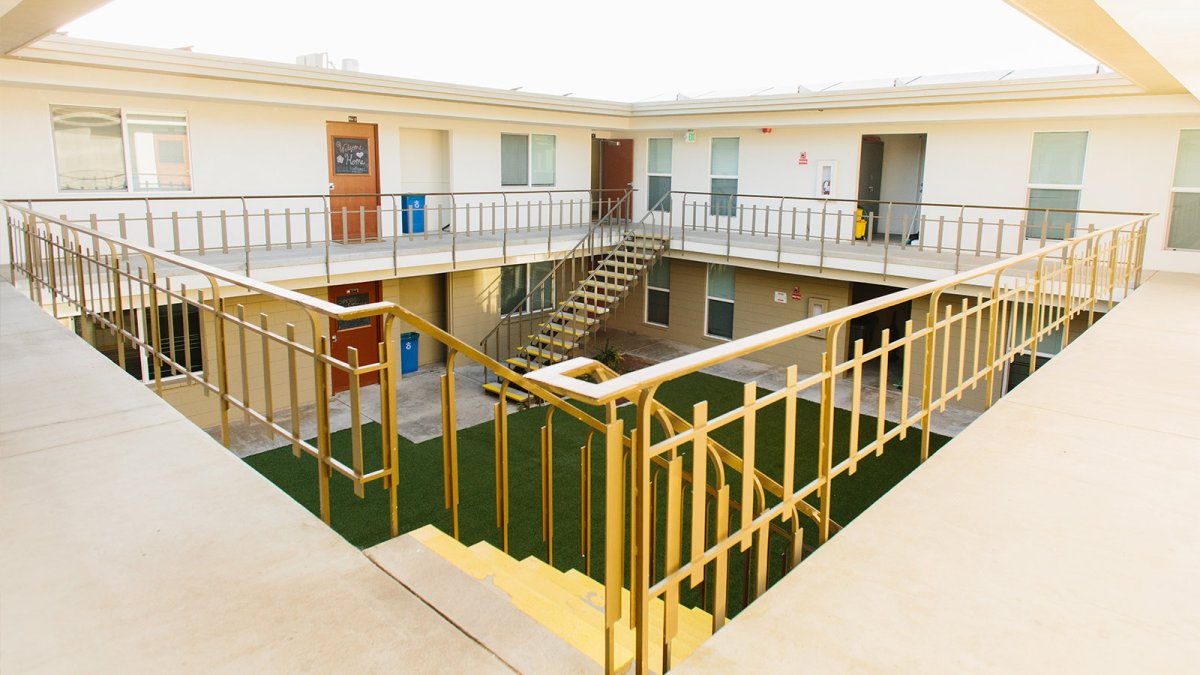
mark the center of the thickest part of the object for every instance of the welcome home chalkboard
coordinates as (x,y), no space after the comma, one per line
(351,156)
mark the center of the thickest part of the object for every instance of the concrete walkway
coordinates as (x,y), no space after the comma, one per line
(131,542)
(1056,534)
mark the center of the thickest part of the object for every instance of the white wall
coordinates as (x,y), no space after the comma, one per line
(262,148)
(1129,166)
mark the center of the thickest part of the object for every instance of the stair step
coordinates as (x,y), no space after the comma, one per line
(563,328)
(632,253)
(604,285)
(610,274)
(564,345)
(515,395)
(618,264)
(542,353)
(584,307)
(577,621)
(598,297)
(569,603)
(518,362)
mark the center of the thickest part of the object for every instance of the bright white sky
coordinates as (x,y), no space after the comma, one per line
(614,49)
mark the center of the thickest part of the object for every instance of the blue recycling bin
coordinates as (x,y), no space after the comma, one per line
(413,213)
(408,352)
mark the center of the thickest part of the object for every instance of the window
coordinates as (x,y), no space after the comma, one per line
(723,171)
(100,148)
(658,293)
(523,157)
(1055,182)
(1183,230)
(658,175)
(178,337)
(516,282)
(719,317)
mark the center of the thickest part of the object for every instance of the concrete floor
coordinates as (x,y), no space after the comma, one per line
(1057,534)
(131,542)
(418,400)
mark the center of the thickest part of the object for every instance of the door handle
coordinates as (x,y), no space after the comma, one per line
(333,338)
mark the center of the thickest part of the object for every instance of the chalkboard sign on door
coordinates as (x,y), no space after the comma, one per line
(351,156)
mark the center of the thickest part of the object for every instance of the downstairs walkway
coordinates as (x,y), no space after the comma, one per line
(130,541)
(1057,533)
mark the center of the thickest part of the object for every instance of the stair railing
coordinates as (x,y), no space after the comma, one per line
(568,271)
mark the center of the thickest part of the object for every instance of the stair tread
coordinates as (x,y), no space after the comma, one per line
(568,603)
(566,345)
(604,285)
(585,307)
(523,363)
(541,353)
(614,274)
(563,328)
(513,394)
(596,296)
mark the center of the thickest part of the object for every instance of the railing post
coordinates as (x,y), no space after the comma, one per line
(640,565)
(927,378)
(324,442)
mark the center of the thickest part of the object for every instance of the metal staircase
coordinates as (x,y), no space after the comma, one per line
(581,313)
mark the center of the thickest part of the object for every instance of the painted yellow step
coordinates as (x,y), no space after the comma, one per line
(513,394)
(570,617)
(451,550)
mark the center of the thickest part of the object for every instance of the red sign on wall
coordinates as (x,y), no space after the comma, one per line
(796,294)
(804,159)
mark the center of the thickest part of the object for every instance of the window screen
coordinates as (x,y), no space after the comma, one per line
(514,159)
(543,159)
(1058,158)
(724,157)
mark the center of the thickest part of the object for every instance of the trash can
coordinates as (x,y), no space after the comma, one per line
(413,213)
(408,352)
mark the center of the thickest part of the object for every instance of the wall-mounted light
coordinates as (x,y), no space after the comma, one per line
(354,118)
(766,130)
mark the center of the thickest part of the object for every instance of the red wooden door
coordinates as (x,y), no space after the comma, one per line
(362,334)
(616,172)
(353,170)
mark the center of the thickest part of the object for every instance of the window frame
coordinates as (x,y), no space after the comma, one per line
(126,148)
(713,210)
(529,160)
(708,298)
(646,303)
(528,268)
(1030,186)
(665,207)
(1175,191)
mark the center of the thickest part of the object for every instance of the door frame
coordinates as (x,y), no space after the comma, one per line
(339,380)
(368,129)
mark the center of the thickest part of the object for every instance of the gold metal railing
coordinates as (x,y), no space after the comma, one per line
(813,231)
(274,366)
(265,353)
(998,312)
(250,231)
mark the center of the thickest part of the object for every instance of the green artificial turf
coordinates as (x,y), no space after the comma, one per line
(364,522)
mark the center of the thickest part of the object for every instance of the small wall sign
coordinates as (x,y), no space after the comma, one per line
(351,156)
(796,294)
(804,159)
(690,136)
(781,297)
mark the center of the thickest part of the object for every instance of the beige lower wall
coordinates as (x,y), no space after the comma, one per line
(423,295)
(755,310)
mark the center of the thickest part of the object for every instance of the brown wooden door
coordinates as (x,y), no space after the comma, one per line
(362,334)
(616,171)
(353,170)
